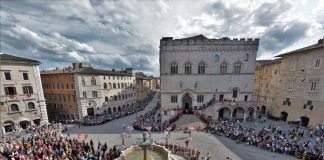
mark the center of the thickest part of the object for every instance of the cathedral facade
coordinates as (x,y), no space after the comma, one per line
(197,70)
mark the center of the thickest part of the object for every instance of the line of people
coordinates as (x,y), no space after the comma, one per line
(106,117)
(151,121)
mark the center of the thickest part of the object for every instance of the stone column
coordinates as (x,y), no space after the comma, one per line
(231,114)
(245,116)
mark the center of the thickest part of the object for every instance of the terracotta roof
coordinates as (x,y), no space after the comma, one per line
(320,44)
(10,59)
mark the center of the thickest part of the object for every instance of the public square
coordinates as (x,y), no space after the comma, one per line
(219,147)
(161,80)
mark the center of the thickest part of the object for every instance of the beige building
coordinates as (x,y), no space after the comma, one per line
(22,101)
(144,86)
(156,83)
(299,94)
(266,88)
(81,90)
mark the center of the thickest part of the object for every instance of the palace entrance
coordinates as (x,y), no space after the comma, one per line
(187,104)
(284,116)
(90,111)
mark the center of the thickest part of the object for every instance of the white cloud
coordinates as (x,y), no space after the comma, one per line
(114,34)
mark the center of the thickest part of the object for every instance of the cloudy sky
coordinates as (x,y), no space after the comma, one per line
(126,33)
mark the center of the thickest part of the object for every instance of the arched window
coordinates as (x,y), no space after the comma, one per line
(106,99)
(31,105)
(105,85)
(237,68)
(123,96)
(93,81)
(114,85)
(83,81)
(14,108)
(201,68)
(118,85)
(122,85)
(216,58)
(246,57)
(223,68)
(115,98)
(188,68)
(235,93)
(119,97)
(109,85)
(174,68)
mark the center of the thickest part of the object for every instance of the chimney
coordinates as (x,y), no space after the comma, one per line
(74,65)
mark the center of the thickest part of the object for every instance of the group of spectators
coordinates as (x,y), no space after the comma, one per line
(151,121)
(292,142)
(47,142)
(103,118)
(106,117)
(190,154)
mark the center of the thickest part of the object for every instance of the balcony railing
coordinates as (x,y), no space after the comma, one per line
(236,103)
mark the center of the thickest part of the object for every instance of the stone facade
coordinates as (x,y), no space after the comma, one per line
(266,88)
(60,94)
(299,94)
(22,100)
(103,91)
(144,86)
(78,91)
(196,70)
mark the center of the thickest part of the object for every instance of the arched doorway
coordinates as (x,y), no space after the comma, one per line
(114,110)
(119,109)
(187,103)
(263,110)
(24,124)
(304,121)
(109,110)
(90,111)
(250,113)
(238,113)
(224,113)
(284,116)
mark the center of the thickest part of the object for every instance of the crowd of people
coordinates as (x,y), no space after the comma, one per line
(106,117)
(292,142)
(151,121)
(190,154)
(103,118)
(48,143)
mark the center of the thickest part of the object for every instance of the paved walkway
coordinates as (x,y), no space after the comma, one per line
(189,120)
(115,126)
